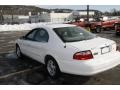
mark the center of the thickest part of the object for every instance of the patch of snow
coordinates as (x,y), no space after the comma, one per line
(20,27)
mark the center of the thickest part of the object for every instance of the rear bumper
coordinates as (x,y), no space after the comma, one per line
(91,67)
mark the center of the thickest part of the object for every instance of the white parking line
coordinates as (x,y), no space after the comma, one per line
(19,72)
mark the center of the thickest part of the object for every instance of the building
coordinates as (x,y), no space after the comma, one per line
(59,17)
(49,17)
(92,13)
(54,17)
(68,16)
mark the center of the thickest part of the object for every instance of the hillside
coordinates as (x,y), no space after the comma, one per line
(20,9)
(57,10)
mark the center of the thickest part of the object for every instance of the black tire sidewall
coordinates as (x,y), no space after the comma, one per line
(17,47)
(57,73)
(98,29)
(117,34)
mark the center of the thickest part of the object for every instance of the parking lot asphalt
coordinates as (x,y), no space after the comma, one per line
(26,71)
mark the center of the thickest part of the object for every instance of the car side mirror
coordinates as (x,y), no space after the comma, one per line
(23,37)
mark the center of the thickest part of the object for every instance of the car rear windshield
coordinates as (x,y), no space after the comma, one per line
(73,34)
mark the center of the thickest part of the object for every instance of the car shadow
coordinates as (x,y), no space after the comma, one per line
(35,73)
(41,78)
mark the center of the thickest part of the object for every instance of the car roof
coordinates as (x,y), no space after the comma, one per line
(59,25)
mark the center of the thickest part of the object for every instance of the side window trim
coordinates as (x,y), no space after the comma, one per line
(38,31)
(26,38)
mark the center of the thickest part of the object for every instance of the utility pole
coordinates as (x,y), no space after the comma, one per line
(29,13)
(87,13)
(12,14)
(1,17)
(88,23)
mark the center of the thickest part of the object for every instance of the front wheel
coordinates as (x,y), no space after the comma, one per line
(52,68)
(18,52)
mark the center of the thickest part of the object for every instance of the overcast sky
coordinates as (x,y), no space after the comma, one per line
(75,7)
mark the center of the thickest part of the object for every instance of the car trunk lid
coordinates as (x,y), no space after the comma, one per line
(98,46)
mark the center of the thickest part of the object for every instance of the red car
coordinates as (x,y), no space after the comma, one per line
(109,24)
(94,26)
(78,23)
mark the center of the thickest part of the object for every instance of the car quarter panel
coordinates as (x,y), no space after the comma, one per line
(56,48)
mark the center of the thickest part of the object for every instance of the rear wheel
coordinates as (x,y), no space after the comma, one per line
(52,68)
(117,33)
(98,29)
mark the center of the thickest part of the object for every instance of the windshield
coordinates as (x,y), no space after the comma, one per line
(72,34)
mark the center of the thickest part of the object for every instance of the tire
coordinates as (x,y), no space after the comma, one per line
(115,25)
(117,33)
(18,52)
(52,68)
(98,29)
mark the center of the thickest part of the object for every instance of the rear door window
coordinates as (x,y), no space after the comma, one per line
(30,35)
(41,35)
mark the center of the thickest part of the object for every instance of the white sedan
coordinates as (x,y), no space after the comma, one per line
(69,49)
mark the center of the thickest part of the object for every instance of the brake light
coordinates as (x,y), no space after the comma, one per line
(83,55)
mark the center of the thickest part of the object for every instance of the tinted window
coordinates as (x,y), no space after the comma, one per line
(31,34)
(41,36)
(72,34)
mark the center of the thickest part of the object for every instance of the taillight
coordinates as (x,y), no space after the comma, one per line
(83,55)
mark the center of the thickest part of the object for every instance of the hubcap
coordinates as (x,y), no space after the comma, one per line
(18,52)
(51,67)
(98,29)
